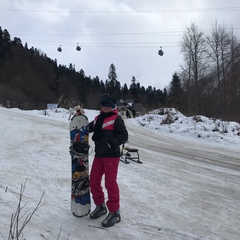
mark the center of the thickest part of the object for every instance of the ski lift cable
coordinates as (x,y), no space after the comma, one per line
(127,12)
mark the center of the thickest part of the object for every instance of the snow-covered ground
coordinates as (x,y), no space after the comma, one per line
(188,186)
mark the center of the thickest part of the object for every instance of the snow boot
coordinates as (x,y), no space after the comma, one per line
(111,219)
(98,211)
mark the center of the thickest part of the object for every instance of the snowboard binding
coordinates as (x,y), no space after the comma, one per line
(79,148)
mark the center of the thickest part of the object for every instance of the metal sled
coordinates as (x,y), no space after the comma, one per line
(128,153)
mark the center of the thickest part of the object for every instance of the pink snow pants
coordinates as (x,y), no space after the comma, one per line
(109,167)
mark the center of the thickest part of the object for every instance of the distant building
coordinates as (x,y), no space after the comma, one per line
(129,109)
(139,109)
(52,106)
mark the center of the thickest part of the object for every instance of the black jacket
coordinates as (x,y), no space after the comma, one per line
(114,133)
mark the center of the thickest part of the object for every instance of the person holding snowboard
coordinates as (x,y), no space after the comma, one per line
(109,132)
(79,110)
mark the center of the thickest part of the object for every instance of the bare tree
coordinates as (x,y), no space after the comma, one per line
(187,80)
(217,41)
(233,77)
(222,53)
(193,47)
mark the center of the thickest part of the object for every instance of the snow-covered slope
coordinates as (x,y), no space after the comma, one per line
(187,187)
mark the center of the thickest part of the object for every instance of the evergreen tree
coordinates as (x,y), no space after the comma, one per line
(6,36)
(5,41)
(1,42)
(134,88)
(113,86)
(125,90)
(17,41)
(176,92)
(112,75)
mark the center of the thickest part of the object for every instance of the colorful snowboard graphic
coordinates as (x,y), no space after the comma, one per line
(80,199)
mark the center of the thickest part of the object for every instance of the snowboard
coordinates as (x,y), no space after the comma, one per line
(80,196)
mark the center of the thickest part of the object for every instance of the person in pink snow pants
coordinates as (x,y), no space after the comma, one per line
(109,132)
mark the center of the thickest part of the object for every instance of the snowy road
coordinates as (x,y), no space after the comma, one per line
(192,152)
(184,190)
(196,185)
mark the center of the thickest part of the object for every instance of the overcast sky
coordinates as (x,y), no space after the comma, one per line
(127,33)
